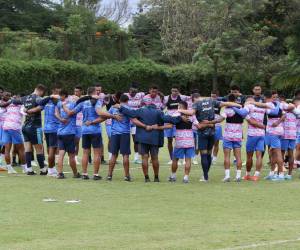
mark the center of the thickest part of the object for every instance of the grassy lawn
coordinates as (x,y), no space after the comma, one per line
(136,215)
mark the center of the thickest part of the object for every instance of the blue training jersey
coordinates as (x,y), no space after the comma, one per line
(51,123)
(70,127)
(122,127)
(89,114)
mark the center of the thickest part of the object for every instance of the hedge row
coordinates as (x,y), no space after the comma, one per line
(22,76)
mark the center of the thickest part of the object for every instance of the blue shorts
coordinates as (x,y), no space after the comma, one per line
(120,143)
(78,132)
(92,140)
(51,140)
(206,142)
(12,136)
(182,153)
(273,141)
(66,143)
(1,132)
(231,144)
(218,133)
(287,144)
(195,139)
(170,132)
(108,130)
(298,138)
(255,143)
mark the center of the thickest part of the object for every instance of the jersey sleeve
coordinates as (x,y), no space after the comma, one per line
(78,108)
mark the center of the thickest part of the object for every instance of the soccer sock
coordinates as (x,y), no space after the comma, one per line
(156,176)
(186,177)
(40,158)
(257,173)
(109,156)
(147,176)
(209,158)
(205,165)
(227,173)
(173,175)
(238,173)
(28,157)
(14,159)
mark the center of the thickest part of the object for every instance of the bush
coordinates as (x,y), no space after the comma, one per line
(22,76)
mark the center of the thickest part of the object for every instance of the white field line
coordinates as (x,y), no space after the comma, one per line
(266,244)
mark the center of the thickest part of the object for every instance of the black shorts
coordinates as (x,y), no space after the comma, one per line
(34,135)
(120,143)
(51,140)
(92,140)
(147,148)
(206,142)
(66,143)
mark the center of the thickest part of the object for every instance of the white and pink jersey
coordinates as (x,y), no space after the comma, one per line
(148,100)
(290,126)
(173,102)
(257,114)
(184,138)
(2,115)
(278,130)
(13,117)
(232,131)
(135,102)
(79,119)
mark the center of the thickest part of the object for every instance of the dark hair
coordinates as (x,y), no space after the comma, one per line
(268,94)
(41,87)
(78,87)
(1,88)
(64,92)
(195,91)
(175,87)
(282,96)
(184,104)
(56,86)
(257,85)
(124,98)
(297,92)
(97,84)
(153,87)
(215,92)
(235,87)
(90,90)
(274,92)
(195,95)
(231,98)
(118,95)
(297,99)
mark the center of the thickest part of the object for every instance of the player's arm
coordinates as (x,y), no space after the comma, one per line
(255,123)
(107,115)
(241,111)
(57,115)
(140,124)
(130,112)
(190,112)
(34,110)
(282,118)
(230,104)
(96,121)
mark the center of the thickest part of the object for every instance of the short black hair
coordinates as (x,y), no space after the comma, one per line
(90,90)
(56,86)
(78,87)
(274,92)
(118,95)
(194,91)
(97,84)
(268,94)
(231,98)
(175,87)
(235,87)
(256,85)
(41,87)
(215,92)
(184,104)
(64,92)
(153,87)
(124,98)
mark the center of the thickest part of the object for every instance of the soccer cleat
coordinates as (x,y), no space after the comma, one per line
(60,176)
(278,178)
(288,177)
(109,178)
(77,176)
(202,179)
(147,180)
(172,179)
(31,173)
(97,178)
(226,179)
(269,177)
(238,179)
(128,179)
(137,161)
(85,177)
(185,181)
(156,179)
(254,178)
(11,170)
(247,178)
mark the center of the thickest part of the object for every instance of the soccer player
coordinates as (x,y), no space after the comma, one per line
(120,139)
(153,98)
(66,134)
(171,102)
(218,127)
(135,102)
(205,114)
(12,133)
(184,144)
(78,93)
(51,124)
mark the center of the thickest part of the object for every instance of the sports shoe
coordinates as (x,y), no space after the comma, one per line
(44,172)
(11,170)
(185,181)
(254,178)
(85,177)
(97,178)
(247,178)
(226,179)
(128,179)
(60,176)
(172,179)
(238,179)
(109,178)
(202,179)
(77,176)
(31,173)
(147,180)
(137,161)
(156,179)
(278,178)
(52,172)
(269,177)
(288,177)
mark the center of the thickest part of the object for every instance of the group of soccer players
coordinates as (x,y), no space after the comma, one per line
(192,125)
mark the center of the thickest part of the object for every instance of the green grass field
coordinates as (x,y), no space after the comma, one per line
(136,215)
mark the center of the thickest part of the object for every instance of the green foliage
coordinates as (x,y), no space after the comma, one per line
(21,76)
